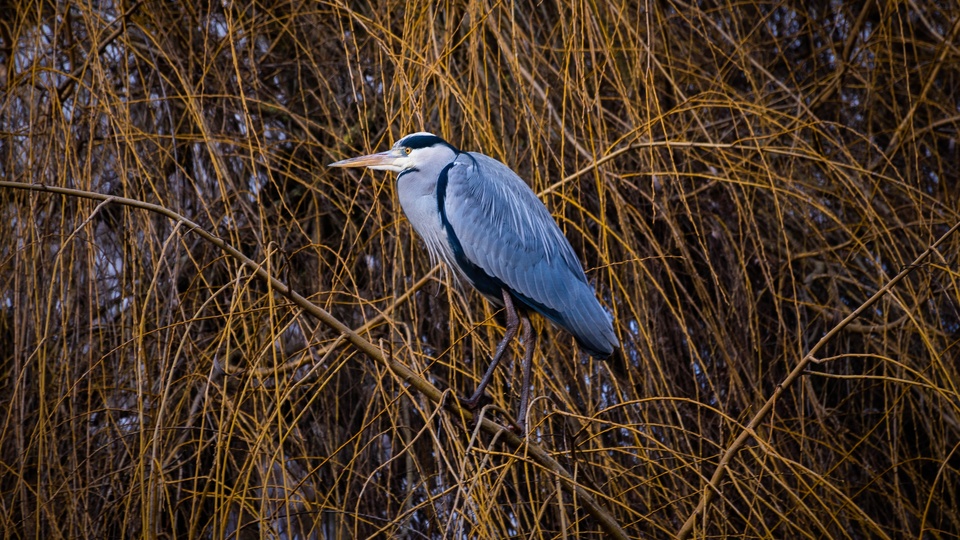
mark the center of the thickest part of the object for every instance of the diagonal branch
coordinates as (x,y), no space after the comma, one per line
(535,452)
(811,357)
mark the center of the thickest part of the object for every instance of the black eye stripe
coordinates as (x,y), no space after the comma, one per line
(421,141)
(424,141)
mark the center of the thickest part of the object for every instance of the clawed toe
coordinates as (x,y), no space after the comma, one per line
(475,403)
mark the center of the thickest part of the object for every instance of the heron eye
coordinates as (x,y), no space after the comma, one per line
(407,150)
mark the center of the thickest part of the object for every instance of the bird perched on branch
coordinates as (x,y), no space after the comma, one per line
(483,221)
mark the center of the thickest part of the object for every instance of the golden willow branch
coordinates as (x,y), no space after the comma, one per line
(713,486)
(535,452)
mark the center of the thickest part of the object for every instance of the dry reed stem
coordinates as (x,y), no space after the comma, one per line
(750,429)
(528,449)
(737,179)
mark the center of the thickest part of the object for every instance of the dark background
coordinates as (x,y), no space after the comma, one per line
(736,177)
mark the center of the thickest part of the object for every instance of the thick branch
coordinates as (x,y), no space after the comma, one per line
(536,453)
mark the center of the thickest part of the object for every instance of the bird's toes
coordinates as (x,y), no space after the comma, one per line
(475,403)
(517,429)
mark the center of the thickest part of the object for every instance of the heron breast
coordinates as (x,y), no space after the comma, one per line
(419,202)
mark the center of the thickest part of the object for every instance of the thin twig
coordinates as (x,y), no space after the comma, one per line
(536,453)
(714,485)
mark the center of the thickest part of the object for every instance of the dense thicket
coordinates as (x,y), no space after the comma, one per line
(737,178)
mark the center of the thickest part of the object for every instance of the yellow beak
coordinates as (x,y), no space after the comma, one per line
(383,159)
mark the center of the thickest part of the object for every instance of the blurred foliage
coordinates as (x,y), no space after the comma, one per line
(737,177)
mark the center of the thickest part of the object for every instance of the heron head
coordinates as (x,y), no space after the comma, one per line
(413,151)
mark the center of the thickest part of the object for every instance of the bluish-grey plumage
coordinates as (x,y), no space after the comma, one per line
(504,229)
(482,220)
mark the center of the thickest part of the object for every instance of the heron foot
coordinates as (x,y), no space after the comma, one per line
(517,428)
(476,402)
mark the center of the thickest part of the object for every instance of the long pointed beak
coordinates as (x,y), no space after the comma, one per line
(373,160)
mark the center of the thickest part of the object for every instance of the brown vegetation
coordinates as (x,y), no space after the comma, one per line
(738,179)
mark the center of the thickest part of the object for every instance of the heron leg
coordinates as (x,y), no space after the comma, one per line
(513,324)
(529,343)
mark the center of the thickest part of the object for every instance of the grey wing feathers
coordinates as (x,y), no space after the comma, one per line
(504,229)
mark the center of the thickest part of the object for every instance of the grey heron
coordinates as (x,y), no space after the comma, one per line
(477,216)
